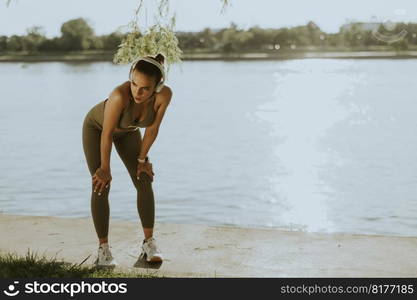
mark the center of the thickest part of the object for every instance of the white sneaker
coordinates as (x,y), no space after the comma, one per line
(150,251)
(104,257)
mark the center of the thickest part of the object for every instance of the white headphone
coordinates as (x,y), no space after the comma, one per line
(160,85)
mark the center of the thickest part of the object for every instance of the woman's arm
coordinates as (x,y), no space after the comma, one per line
(151,131)
(148,139)
(112,110)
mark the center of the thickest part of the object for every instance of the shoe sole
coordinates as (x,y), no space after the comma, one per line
(110,265)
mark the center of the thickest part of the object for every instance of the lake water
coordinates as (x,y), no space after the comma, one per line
(318,145)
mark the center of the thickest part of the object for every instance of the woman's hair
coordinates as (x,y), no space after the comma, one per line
(150,69)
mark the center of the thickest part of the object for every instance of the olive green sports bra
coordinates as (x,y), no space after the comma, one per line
(127,120)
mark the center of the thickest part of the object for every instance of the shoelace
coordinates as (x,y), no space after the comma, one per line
(152,245)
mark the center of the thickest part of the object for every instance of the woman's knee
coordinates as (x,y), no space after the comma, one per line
(104,193)
(144,181)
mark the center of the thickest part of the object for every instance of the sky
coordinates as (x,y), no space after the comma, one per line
(106,16)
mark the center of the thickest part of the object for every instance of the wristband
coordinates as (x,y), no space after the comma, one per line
(143,160)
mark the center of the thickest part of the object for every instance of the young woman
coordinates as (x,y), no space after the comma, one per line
(139,102)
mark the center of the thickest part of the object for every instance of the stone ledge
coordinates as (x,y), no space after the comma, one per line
(216,251)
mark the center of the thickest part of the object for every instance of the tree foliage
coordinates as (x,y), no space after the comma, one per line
(77,35)
(161,37)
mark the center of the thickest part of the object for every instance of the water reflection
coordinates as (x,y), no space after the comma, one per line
(345,147)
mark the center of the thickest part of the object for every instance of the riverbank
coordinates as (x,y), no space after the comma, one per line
(216,251)
(93,56)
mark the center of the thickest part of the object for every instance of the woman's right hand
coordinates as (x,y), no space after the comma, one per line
(101,180)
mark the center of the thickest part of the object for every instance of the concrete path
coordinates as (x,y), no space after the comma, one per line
(213,251)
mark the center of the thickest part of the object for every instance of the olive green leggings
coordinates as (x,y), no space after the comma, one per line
(128,146)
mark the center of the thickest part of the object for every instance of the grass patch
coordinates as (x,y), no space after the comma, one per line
(32,265)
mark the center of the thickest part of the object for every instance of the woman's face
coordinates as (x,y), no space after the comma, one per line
(142,86)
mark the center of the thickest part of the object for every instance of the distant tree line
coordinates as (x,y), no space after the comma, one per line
(77,34)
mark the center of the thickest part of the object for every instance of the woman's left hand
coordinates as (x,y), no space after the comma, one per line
(145,167)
